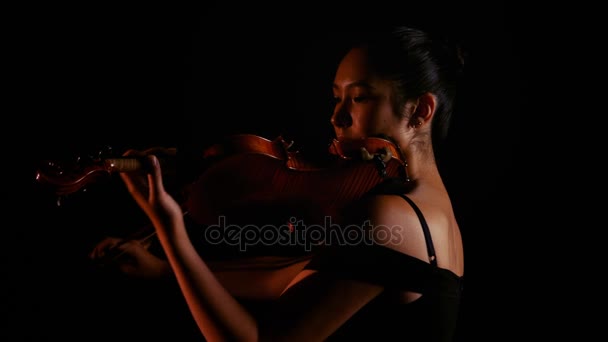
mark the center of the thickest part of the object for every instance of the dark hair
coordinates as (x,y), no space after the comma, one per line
(417,62)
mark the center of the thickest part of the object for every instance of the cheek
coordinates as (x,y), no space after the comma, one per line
(364,119)
(378,119)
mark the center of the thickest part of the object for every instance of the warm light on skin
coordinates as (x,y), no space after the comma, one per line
(363,102)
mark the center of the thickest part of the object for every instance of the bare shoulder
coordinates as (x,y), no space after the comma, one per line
(392,222)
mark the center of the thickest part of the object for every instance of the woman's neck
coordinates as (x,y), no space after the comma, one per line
(421,164)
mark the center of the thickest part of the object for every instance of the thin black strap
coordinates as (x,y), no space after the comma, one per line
(425,228)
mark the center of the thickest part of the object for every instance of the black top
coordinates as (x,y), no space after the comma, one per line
(432,317)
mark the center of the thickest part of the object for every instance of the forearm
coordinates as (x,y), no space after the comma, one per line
(217,313)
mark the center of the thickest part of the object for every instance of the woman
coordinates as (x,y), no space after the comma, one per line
(400,85)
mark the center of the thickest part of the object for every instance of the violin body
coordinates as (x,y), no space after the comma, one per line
(254,179)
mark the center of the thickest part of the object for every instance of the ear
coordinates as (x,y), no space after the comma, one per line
(423,110)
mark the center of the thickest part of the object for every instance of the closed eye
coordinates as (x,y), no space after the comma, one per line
(360,99)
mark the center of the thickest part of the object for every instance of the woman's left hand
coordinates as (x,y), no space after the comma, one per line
(147,188)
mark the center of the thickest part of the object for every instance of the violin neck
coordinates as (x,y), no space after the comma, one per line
(123,164)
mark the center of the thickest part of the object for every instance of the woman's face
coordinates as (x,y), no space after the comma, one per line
(363,101)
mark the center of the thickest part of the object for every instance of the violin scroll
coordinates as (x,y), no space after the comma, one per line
(67,177)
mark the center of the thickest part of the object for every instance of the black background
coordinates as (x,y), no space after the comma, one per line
(135,77)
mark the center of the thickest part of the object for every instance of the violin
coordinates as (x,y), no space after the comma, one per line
(67,178)
(248,180)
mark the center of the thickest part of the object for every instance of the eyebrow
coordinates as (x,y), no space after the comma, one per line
(363,84)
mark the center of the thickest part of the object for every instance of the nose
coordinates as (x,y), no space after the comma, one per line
(341,117)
